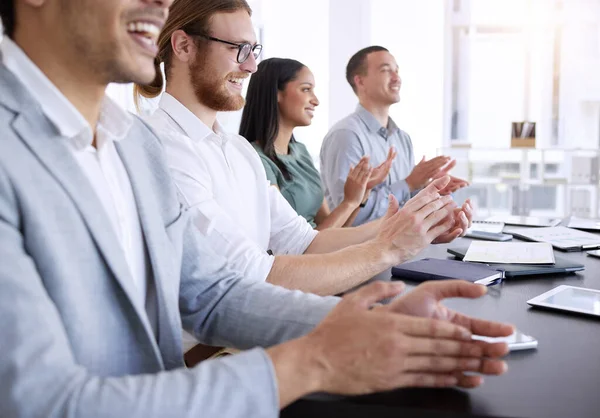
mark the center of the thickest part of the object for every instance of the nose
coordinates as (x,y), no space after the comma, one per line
(159,3)
(249,65)
(314,101)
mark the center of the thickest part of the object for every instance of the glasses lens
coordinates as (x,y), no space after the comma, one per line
(257,50)
(244,53)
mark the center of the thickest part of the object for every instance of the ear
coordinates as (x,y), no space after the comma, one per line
(279,96)
(358,81)
(183,46)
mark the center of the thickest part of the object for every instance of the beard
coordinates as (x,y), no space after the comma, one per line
(210,89)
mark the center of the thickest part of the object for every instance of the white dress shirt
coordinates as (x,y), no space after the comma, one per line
(220,176)
(101,165)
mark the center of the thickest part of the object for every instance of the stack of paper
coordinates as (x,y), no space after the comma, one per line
(510,253)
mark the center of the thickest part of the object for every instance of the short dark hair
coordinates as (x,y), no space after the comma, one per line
(358,63)
(260,118)
(7,15)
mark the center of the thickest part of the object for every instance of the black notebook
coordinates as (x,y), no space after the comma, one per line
(515,270)
(437,269)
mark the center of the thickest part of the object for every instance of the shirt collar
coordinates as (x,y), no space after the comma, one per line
(373,124)
(191,125)
(114,122)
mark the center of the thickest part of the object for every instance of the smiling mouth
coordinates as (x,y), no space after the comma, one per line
(145,32)
(236,81)
(311,112)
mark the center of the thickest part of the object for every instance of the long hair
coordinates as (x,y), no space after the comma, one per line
(260,119)
(190,16)
(7,15)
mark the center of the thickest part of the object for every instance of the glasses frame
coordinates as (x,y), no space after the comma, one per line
(239,46)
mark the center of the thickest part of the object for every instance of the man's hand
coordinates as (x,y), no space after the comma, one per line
(380,172)
(425,171)
(358,350)
(462,218)
(356,184)
(455,182)
(424,301)
(405,232)
(454,185)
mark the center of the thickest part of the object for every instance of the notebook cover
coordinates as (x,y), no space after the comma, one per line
(441,269)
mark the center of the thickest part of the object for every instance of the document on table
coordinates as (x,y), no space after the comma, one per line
(560,237)
(510,252)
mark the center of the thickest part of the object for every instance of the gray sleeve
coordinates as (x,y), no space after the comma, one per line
(400,188)
(220,309)
(343,149)
(39,376)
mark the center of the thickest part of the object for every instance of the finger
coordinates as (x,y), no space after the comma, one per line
(446,237)
(432,328)
(443,364)
(438,162)
(450,166)
(441,347)
(363,161)
(446,364)
(492,350)
(468,381)
(423,198)
(393,206)
(492,367)
(454,289)
(468,210)
(461,219)
(426,380)
(439,184)
(434,212)
(372,293)
(367,175)
(440,231)
(481,326)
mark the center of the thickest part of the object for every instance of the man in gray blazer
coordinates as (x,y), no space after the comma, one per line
(100,265)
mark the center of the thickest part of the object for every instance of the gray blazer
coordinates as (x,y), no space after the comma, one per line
(73,340)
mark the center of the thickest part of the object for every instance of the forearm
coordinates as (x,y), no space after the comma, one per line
(331,273)
(352,217)
(335,239)
(338,217)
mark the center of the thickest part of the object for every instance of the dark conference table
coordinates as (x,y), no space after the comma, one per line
(559,379)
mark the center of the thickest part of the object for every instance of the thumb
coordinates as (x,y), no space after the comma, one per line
(393,206)
(368,295)
(439,183)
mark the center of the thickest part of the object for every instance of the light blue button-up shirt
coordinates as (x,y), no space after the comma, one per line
(361,134)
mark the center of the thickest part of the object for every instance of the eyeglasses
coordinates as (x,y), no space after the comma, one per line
(244,49)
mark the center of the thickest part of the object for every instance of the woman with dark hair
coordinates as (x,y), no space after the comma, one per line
(281,97)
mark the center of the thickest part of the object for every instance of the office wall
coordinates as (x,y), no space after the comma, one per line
(414,32)
(325,34)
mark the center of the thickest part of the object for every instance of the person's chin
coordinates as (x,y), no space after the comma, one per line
(140,71)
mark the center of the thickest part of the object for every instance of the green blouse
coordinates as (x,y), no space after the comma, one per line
(303,191)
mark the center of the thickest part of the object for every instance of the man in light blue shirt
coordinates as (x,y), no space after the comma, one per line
(373,74)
